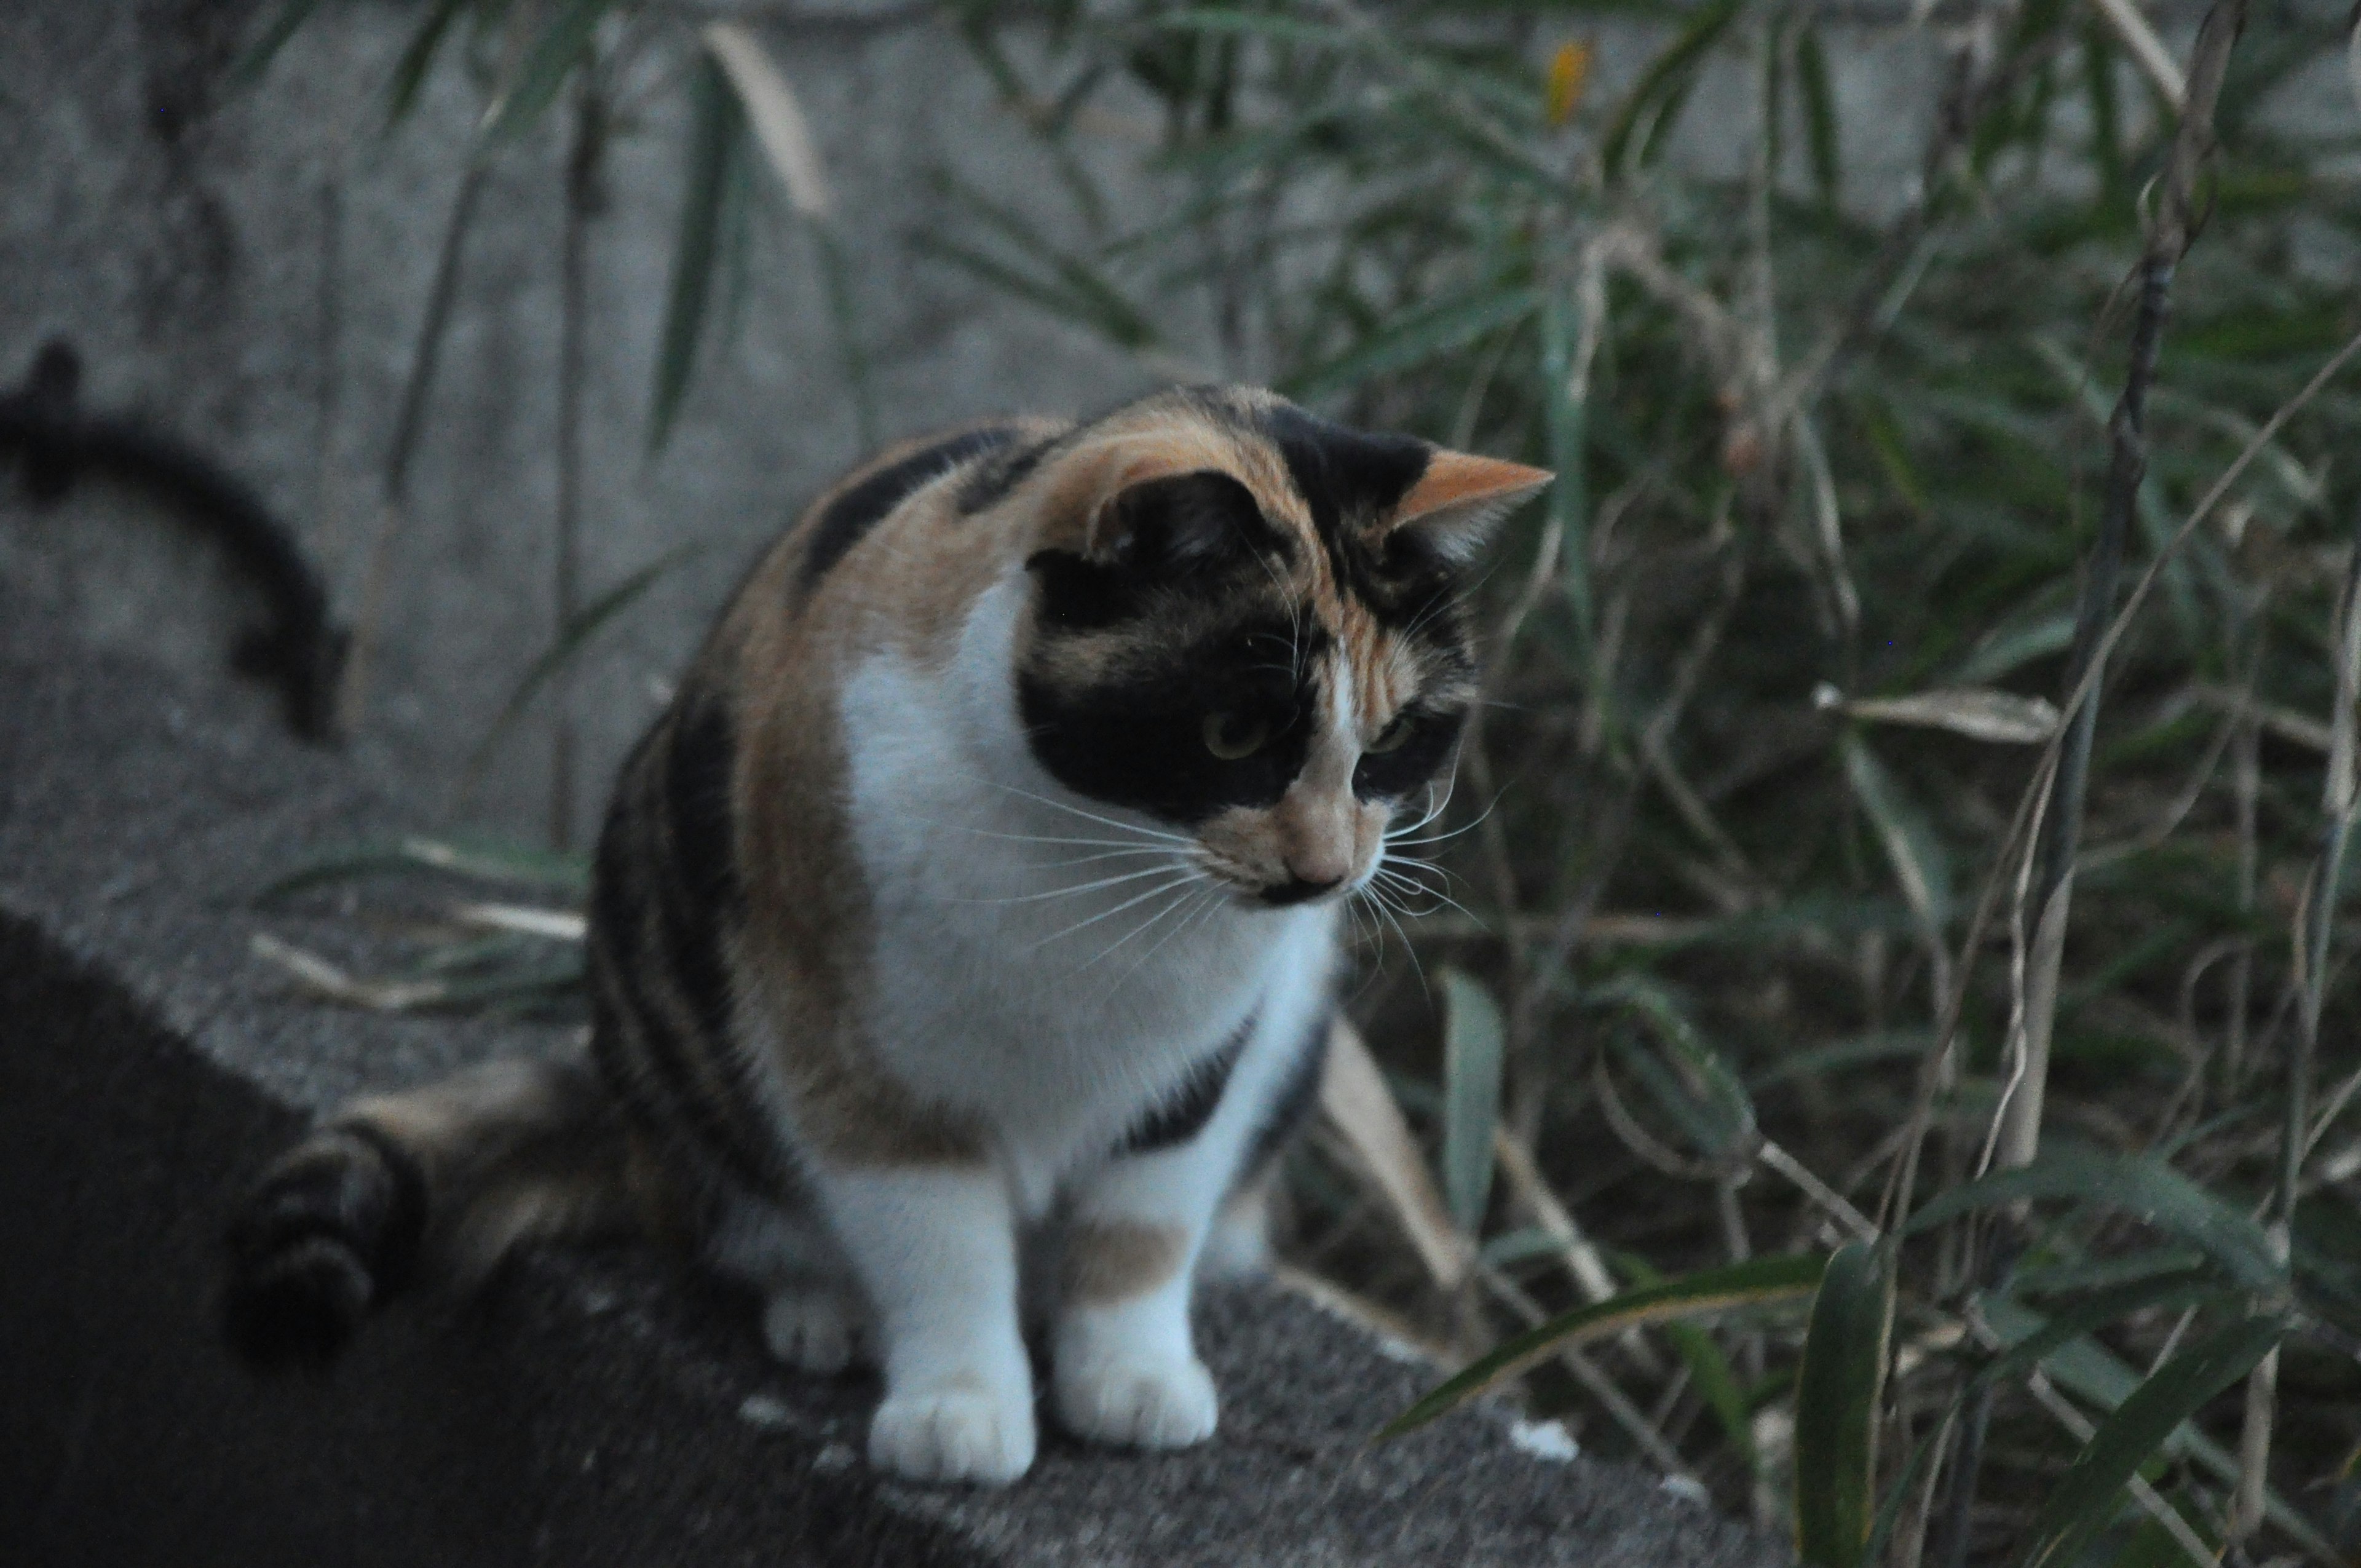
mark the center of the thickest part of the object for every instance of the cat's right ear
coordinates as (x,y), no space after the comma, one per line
(1140,499)
(1177,522)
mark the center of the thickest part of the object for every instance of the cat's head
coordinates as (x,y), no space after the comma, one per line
(1247,623)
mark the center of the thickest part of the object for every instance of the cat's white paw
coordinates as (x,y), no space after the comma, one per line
(816,1329)
(1166,1403)
(965,1432)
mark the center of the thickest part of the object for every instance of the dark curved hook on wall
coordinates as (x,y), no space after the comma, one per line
(300,650)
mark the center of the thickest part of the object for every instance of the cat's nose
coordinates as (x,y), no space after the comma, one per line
(1298,890)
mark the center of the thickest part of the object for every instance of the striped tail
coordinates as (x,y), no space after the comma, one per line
(437,1184)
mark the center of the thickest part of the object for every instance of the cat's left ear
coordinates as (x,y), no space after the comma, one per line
(1460,500)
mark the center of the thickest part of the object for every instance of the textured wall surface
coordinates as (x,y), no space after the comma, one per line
(251,264)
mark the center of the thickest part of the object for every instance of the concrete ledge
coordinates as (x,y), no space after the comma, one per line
(590,1408)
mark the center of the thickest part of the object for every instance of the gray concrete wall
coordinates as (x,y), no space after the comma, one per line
(252,266)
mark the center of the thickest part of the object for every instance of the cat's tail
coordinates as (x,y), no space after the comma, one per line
(437,1183)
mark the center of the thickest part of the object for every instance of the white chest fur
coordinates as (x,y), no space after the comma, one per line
(1047,962)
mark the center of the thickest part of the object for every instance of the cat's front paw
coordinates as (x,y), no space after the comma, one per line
(964,1433)
(1165,1403)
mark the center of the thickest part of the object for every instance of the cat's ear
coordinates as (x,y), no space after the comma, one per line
(1147,500)
(1460,500)
(1175,521)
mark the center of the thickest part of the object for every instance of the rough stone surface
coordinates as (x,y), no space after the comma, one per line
(591,1407)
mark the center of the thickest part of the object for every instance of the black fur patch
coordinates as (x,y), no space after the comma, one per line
(853,514)
(989,482)
(1176,1121)
(331,1232)
(1134,736)
(1389,775)
(1349,479)
(667,850)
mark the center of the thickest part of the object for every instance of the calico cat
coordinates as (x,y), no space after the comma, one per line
(963,936)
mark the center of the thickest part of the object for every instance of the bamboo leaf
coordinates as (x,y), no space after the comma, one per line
(1357,1102)
(2081,1502)
(1702,1093)
(778,117)
(1979,713)
(256,60)
(417,58)
(2093,1373)
(1415,338)
(2018,646)
(567,646)
(1837,1394)
(476,860)
(1665,79)
(1472,1039)
(561,45)
(2155,1194)
(1758,1282)
(716,142)
(1569,73)
(1920,864)
(1819,115)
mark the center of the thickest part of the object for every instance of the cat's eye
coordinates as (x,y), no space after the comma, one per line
(1231,735)
(1391,738)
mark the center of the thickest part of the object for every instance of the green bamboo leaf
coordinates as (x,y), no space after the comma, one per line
(1819,115)
(417,58)
(560,46)
(2106,114)
(1838,1393)
(1415,338)
(1920,864)
(717,142)
(256,60)
(2018,646)
(1702,1091)
(2063,1325)
(476,860)
(1758,1282)
(567,646)
(1860,1050)
(2082,1501)
(1220,21)
(1665,79)
(1472,1038)
(1713,1381)
(1567,427)
(1076,289)
(2155,1194)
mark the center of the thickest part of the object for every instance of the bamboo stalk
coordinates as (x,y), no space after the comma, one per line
(2058,833)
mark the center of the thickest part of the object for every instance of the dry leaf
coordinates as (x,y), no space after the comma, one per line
(1353,1096)
(1980,713)
(1569,73)
(557,924)
(778,119)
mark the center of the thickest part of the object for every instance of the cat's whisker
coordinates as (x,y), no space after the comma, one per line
(1119,827)
(1206,899)
(1187,875)
(1133,935)
(1408,948)
(1439,896)
(1070,892)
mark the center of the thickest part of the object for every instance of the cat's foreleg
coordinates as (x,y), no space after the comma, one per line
(935,1247)
(1125,1363)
